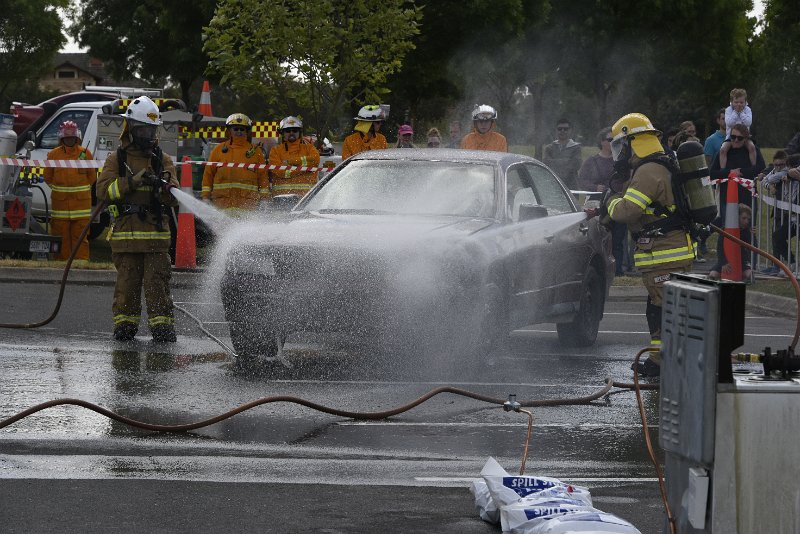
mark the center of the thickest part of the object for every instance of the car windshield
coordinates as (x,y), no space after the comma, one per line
(409,187)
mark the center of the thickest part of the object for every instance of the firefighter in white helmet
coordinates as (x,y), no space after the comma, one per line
(483,135)
(235,189)
(296,151)
(367,134)
(662,247)
(71,192)
(135,181)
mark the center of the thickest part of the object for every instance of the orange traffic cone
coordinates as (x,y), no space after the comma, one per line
(185,247)
(733,252)
(205,101)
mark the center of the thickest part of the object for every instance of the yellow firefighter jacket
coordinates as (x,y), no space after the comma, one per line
(358,142)
(651,182)
(231,188)
(136,228)
(71,188)
(300,153)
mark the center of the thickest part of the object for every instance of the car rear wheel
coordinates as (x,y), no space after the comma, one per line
(582,330)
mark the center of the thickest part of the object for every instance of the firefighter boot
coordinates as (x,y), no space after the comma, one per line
(164,333)
(125,332)
(651,367)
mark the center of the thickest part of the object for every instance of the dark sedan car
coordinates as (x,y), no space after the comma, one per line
(454,247)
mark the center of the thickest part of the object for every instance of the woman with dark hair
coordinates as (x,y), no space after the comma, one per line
(738,166)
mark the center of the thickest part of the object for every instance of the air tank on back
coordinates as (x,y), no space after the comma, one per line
(695,182)
(8,145)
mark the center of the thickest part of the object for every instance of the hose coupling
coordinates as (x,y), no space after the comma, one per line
(511,405)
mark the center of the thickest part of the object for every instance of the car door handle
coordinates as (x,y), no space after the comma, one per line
(583,229)
(549,238)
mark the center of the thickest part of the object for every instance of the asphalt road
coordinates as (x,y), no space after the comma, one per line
(286,468)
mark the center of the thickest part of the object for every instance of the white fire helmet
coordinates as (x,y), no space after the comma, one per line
(371,113)
(484,112)
(144,111)
(290,122)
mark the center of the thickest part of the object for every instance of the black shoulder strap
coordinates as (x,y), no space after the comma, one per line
(122,159)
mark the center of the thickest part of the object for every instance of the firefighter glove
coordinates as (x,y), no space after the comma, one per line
(139,179)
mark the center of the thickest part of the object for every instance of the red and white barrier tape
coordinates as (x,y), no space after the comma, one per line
(744,182)
(94,164)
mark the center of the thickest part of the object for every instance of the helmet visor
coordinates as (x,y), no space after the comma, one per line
(618,147)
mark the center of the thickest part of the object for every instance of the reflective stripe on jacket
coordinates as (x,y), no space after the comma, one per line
(651,182)
(134,232)
(71,189)
(299,153)
(234,188)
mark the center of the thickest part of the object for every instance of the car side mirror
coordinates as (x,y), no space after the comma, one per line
(529,212)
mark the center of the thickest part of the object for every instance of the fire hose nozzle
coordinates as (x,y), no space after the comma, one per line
(511,404)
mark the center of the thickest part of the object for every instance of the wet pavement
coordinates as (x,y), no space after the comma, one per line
(284,467)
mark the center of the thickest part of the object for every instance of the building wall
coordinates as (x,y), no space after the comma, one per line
(67,78)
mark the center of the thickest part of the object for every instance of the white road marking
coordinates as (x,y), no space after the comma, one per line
(542,331)
(494,425)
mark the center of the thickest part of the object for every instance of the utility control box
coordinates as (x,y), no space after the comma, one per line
(729,437)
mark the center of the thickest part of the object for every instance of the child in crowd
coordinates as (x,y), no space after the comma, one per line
(737,113)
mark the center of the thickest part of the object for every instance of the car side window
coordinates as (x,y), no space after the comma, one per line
(548,190)
(518,192)
(49,137)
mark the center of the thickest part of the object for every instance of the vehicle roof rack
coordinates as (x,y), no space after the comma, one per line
(125,91)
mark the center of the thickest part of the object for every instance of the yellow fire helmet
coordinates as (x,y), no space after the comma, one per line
(636,130)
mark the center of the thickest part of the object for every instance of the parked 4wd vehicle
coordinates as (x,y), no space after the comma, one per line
(28,117)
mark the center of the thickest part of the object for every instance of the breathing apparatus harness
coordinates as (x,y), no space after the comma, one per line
(157,181)
(669,220)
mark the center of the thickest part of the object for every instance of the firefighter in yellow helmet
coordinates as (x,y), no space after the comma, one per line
(483,135)
(236,189)
(367,134)
(71,192)
(135,181)
(662,244)
(293,150)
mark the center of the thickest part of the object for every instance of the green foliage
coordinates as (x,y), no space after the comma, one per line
(777,57)
(155,40)
(310,55)
(30,36)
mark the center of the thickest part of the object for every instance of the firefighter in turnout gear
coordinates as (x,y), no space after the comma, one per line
(367,134)
(71,192)
(135,182)
(234,189)
(294,150)
(648,207)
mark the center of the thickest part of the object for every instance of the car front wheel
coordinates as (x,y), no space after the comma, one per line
(582,330)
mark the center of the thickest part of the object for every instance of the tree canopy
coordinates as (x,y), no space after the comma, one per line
(310,55)
(154,40)
(30,36)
